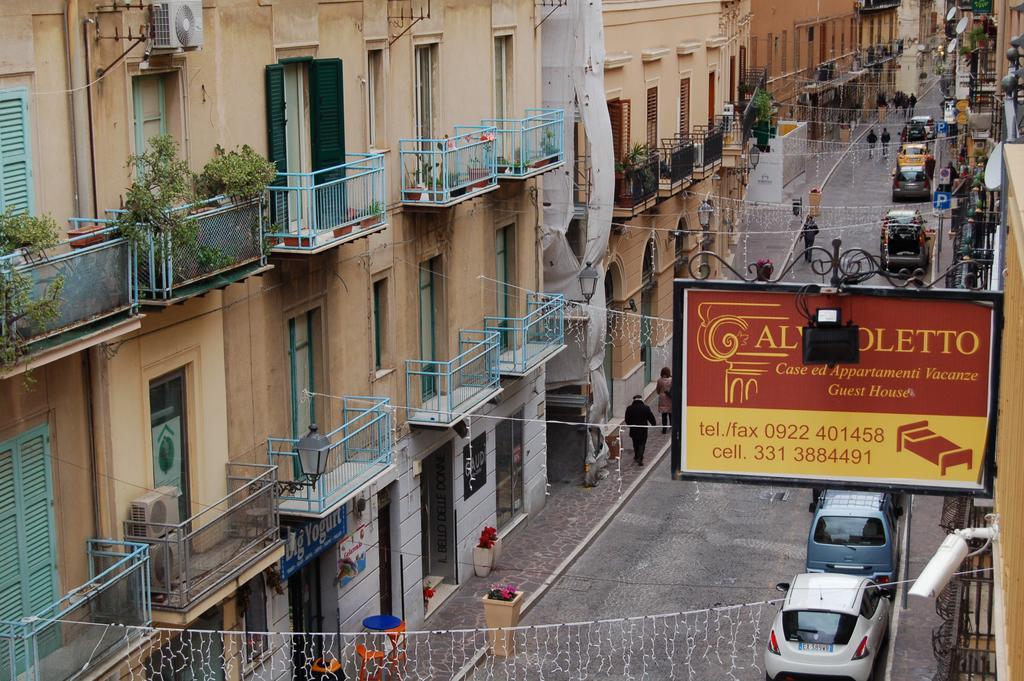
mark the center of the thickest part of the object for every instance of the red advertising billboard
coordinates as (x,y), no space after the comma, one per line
(912,413)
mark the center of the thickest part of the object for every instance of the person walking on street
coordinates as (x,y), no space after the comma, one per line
(913,103)
(872,138)
(665,398)
(638,417)
(810,232)
(885,142)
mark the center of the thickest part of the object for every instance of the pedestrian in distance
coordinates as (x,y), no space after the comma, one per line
(872,139)
(638,417)
(885,142)
(665,398)
(913,103)
(809,232)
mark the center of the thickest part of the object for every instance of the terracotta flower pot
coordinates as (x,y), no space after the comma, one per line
(502,615)
(483,561)
(84,232)
(479,177)
(342,231)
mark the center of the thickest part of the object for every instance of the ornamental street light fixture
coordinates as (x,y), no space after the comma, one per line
(704,213)
(313,450)
(588,282)
(753,156)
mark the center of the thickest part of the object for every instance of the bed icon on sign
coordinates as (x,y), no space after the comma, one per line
(918,438)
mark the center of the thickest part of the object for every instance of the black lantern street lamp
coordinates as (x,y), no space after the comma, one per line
(313,450)
(704,212)
(588,282)
(753,156)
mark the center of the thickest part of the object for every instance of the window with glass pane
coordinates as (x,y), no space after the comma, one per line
(509,463)
(375,98)
(169,432)
(257,642)
(150,100)
(426,90)
(301,359)
(503,76)
(380,324)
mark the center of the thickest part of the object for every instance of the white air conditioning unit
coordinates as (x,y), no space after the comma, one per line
(159,506)
(728,109)
(698,155)
(177,25)
(164,570)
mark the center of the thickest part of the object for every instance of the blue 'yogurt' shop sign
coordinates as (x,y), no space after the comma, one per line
(303,543)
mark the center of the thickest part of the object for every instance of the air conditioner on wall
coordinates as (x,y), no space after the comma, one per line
(159,507)
(177,25)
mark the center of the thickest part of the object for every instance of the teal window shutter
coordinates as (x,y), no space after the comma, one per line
(28,554)
(15,154)
(327,113)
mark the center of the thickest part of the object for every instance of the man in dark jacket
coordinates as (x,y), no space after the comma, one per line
(638,416)
(809,232)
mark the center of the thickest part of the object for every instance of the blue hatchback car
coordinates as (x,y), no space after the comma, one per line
(854,533)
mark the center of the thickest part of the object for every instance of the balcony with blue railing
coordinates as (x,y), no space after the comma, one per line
(220,242)
(529,146)
(438,173)
(676,159)
(196,560)
(527,342)
(442,392)
(311,212)
(361,449)
(68,638)
(91,279)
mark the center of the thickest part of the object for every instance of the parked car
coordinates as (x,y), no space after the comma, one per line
(854,533)
(829,627)
(911,182)
(928,122)
(903,242)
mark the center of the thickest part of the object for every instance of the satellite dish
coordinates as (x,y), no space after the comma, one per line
(951,13)
(994,169)
(951,48)
(961,25)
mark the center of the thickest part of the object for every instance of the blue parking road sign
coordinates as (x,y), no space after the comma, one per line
(942,128)
(942,200)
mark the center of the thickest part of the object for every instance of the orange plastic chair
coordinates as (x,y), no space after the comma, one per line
(381,659)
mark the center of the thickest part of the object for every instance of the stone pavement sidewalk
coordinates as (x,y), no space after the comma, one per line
(542,547)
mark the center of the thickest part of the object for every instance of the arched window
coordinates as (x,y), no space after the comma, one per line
(649,268)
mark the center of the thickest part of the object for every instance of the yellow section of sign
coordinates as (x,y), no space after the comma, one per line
(962,105)
(961,118)
(947,450)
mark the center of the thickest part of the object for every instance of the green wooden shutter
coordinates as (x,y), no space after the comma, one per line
(327,113)
(277,138)
(28,554)
(15,156)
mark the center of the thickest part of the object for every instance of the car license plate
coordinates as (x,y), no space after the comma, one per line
(816,647)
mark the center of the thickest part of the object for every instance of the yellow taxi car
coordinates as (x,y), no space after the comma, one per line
(914,154)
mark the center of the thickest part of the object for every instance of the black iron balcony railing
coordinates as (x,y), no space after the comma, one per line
(708,144)
(676,160)
(636,184)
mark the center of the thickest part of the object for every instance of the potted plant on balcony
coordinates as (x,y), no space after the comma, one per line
(632,169)
(374,213)
(764,131)
(502,606)
(479,176)
(24,238)
(153,216)
(238,175)
(453,183)
(548,148)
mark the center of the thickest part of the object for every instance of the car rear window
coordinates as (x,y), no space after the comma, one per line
(815,626)
(912,175)
(849,531)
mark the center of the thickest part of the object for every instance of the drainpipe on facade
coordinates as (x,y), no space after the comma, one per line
(78,117)
(86,165)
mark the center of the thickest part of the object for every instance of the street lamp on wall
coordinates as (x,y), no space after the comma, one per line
(313,450)
(704,213)
(588,282)
(753,156)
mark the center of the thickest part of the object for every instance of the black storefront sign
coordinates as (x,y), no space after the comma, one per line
(474,465)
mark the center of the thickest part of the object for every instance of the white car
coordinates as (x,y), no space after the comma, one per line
(927,122)
(831,626)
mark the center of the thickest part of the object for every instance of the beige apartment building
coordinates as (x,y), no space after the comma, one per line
(383,287)
(672,78)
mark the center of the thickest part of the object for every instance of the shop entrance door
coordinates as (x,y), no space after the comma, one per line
(437,511)
(384,549)
(304,602)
